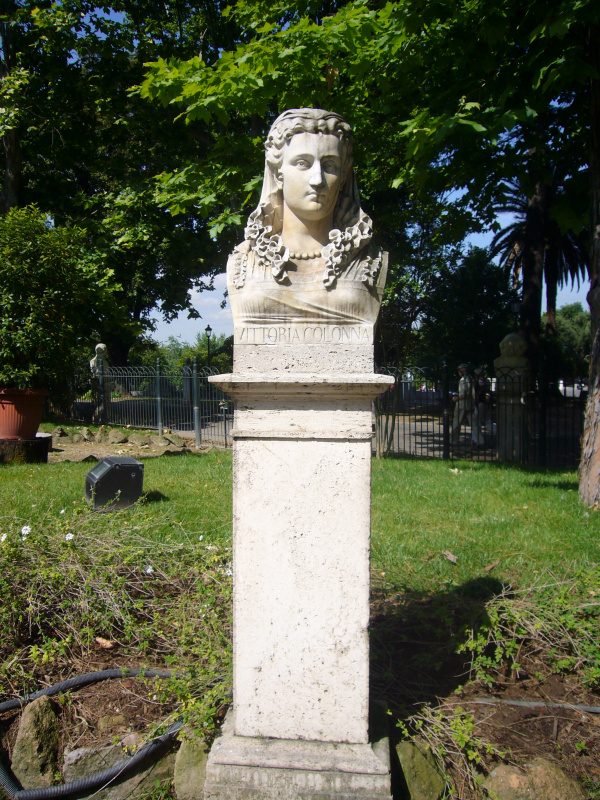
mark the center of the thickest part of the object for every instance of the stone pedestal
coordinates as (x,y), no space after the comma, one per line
(242,768)
(512,387)
(301,538)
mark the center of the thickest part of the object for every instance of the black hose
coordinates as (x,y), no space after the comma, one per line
(84,680)
(99,779)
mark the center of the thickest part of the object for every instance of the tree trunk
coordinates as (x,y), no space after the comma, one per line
(533,271)
(589,466)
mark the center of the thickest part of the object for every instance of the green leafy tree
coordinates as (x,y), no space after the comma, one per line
(468,313)
(85,150)
(50,285)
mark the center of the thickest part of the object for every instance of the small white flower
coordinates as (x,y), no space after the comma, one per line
(62,511)
(200,538)
(69,536)
(3,537)
(25,530)
(149,569)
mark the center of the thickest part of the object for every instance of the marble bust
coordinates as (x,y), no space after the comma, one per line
(307,273)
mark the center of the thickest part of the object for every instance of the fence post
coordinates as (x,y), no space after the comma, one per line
(445,412)
(543,399)
(197,426)
(101,387)
(159,422)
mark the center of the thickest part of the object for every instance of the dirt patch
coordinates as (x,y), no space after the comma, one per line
(66,450)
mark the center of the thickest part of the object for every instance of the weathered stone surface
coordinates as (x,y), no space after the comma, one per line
(36,748)
(102,435)
(159,441)
(111,721)
(421,773)
(175,440)
(87,761)
(139,439)
(549,782)
(88,435)
(539,780)
(250,768)
(77,438)
(24,451)
(59,433)
(116,437)
(190,769)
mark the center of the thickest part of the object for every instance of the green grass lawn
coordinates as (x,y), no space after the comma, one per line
(524,522)
(448,540)
(527,523)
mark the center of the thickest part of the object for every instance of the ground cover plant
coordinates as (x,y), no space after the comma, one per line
(486,586)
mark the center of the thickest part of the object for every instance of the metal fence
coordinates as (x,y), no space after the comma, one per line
(511,420)
(151,398)
(506,418)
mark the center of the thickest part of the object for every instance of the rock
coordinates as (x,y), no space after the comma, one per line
(538,780)
(175,440)
(88,435)
(549,782)
(102,435)
(90,458)
(190,768)
(159,441)
(508,783)
(36,748)
(87,761)
(421,773)
(116,437)
(110,721)
(139,439)
(59,433)
(77,438)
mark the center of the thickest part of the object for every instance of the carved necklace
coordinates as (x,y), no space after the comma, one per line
(304,256)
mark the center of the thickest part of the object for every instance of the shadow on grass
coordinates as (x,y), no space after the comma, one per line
(154,497)
(414,640)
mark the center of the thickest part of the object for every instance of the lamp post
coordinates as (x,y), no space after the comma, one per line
(208,332)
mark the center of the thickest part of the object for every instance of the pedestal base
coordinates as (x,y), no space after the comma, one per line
(247,768)
(25,451)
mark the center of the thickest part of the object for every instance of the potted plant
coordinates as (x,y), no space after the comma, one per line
(50,291)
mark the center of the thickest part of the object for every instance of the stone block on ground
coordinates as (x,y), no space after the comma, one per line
(421,773)
(116,437)
(35,752)
(538,780)
(78,438)
(190,769)
(86,761)
(102,435)
(139,439)
(59,433)
(88,435)
(175,440)
(24,451)
(159,441)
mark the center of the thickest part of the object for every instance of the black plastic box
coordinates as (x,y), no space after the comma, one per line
(114,483)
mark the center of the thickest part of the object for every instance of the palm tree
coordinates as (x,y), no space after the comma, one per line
(536,250)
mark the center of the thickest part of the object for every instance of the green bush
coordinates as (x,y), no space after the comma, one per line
(51,291)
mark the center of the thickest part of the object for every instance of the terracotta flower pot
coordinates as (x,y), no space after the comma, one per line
(20,412)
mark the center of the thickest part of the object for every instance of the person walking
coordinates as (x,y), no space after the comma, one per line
(464,410)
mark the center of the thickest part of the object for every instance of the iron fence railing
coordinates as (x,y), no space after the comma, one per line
(153,398)
(505,418)
(511,419)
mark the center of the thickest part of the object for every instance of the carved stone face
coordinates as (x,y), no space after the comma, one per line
(310,175)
